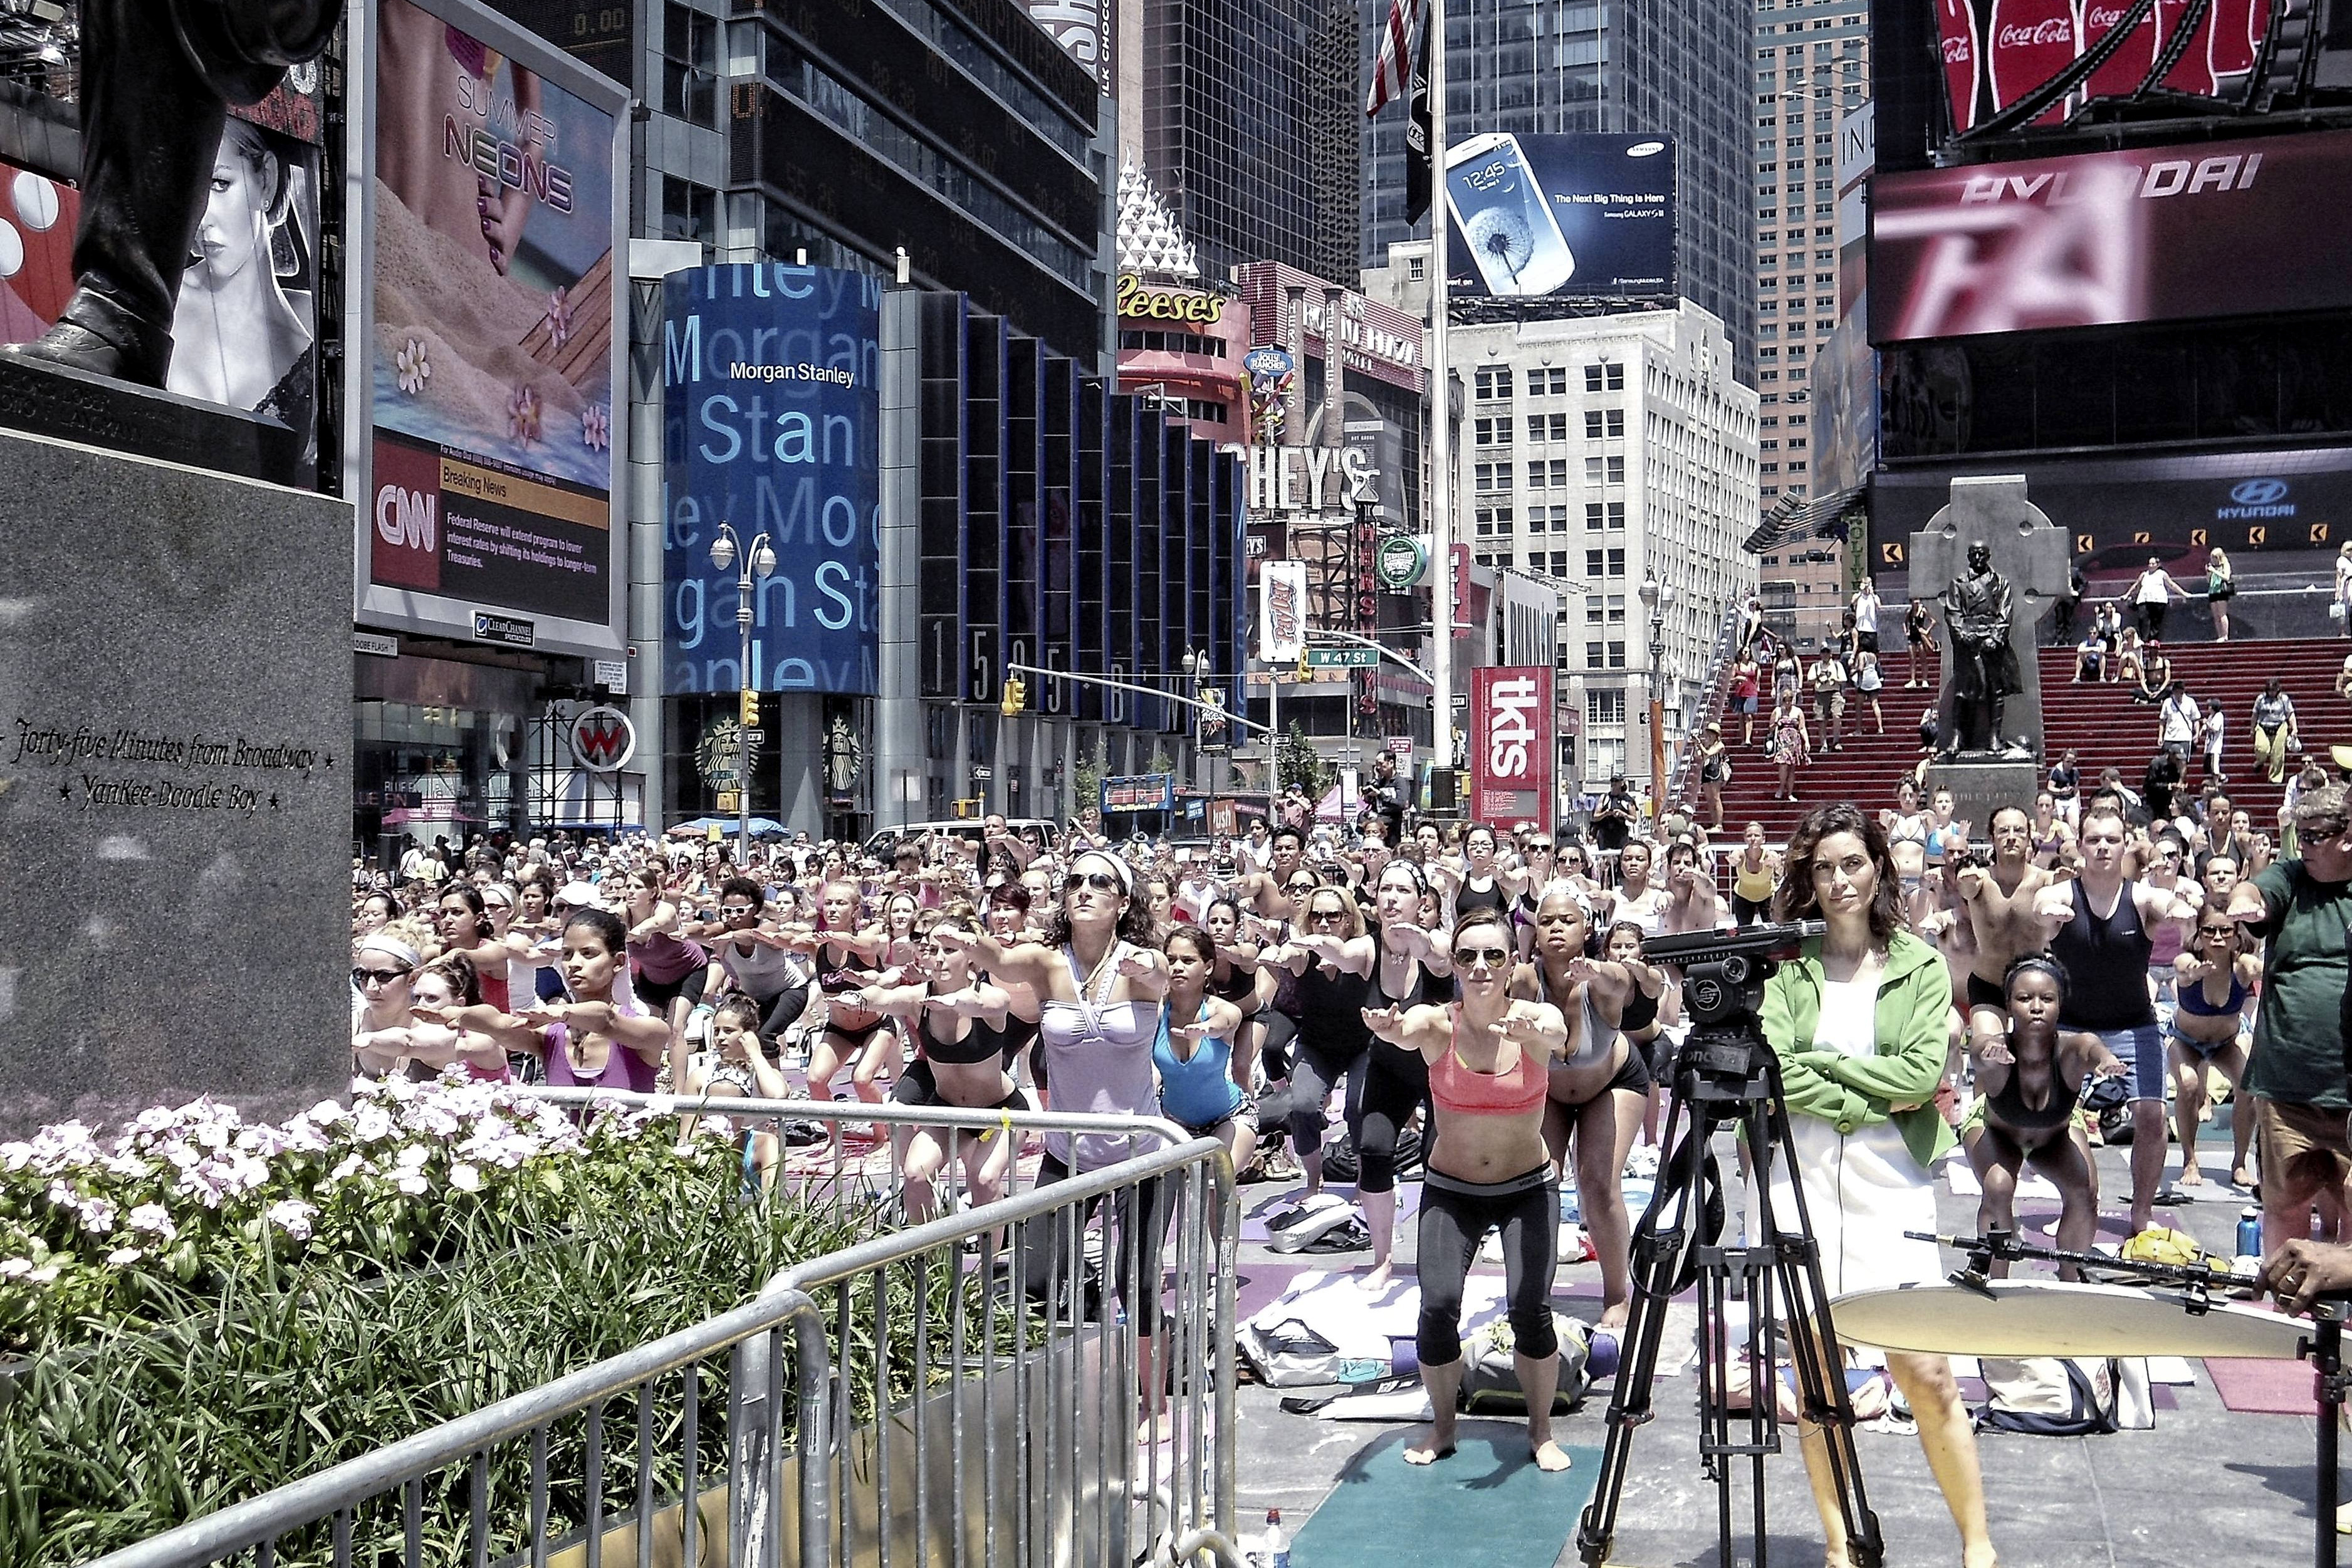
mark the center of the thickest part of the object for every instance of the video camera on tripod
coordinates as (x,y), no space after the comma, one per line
(1723,988)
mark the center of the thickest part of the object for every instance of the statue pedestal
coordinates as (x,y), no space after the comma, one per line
(1981,786)
(52,400)
(176,731)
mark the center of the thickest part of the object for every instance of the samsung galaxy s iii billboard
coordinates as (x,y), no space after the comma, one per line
(1574,216)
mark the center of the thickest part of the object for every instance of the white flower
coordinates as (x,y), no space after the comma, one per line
(98,1215)
(43,1274)
(370,1123)
(15,1268)
(125,1254)
(154,1220)
(15,1156)
(326,1113)
(465,1178)
(410,1181)
(293,1217)
(413,368)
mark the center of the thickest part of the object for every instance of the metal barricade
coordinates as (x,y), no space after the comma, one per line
(991,1386)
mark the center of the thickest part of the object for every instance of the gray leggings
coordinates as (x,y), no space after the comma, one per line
(1455,1216)
(1313,1075)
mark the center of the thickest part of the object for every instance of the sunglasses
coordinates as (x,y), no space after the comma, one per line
(1325,915)
(1470,957)
(380,976)
(1539,848)
(1101,882)
(1302,887)
(737,911)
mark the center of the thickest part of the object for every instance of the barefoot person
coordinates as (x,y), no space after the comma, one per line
(1858,1020)
(1410,969)
(2030,1075)
(1598,1089)
(2213,981)
(1487,1171)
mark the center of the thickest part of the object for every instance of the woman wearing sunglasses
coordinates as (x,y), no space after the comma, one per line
(958,1021)
(1101,984)
(1600,1087)
(1542,868)
(1859,1021)
(759,962)
(1410,968)
(2213,982)
(381,967)
(1330,960)
(1487,1058)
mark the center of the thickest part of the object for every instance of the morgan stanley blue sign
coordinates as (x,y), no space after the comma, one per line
(771,422)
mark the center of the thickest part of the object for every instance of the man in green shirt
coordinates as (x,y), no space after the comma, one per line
(2302,909)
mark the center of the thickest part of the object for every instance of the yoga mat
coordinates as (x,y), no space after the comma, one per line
(1487,1507)
(1254,1227)
(2263,1387)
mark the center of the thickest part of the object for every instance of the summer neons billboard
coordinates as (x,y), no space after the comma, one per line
(1575,216)
(487,432)
(771,422)
(2236,228)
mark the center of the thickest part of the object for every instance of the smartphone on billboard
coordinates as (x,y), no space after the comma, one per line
(1505,218)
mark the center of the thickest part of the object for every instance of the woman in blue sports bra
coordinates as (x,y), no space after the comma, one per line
(2212,982)
(1203,1085)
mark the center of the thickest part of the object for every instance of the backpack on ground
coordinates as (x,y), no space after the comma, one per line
(2052,1397)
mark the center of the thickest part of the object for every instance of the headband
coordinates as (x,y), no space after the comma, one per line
(499,893)
(392,945)
(1120,869)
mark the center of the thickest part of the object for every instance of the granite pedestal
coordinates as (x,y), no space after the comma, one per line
(1980,788)
(174,799)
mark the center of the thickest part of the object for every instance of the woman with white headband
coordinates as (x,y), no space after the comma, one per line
(1102,984)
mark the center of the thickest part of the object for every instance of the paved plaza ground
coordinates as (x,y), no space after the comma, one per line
(2206,1485)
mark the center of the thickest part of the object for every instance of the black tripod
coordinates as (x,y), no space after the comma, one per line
(1727,1077)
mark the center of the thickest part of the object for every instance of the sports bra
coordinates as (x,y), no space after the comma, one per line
(2191,998)
(834,976)
(2012,1111)
(1468,897)
(1754,886)
(983,1044)
(1238,987)
(1456,1086)
(1428,989)
(1641,1011)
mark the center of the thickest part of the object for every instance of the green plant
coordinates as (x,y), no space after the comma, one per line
(1302,766)
(344,1290)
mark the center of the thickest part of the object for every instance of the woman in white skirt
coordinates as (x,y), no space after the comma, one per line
(1861,1023)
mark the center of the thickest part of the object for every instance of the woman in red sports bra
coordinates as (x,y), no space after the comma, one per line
(1490,1058)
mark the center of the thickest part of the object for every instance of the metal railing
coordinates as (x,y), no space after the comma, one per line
(972,1391)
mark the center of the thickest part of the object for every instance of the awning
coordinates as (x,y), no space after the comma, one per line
(1793,521)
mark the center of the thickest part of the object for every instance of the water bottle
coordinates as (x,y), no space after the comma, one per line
(1276,1544)
(2250,1232)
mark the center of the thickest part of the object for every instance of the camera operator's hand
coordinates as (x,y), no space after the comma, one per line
(2301,1271)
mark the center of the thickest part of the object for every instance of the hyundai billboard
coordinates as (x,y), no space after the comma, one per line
(2149,234)
(771,423)
(1574,216)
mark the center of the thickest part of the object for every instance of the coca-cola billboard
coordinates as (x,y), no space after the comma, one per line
(2151,234)
(1997,53)
(1511,745)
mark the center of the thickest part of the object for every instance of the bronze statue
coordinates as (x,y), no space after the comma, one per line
(157,78)
(1984,674)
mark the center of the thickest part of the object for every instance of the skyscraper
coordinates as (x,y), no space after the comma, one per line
(1246,116)
(1674,67)
(1813,66)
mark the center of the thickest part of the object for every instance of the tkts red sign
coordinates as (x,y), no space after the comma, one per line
(1511,745)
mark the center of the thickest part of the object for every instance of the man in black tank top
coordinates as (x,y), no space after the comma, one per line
(2101,928)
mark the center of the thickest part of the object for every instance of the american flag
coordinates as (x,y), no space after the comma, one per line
(1389,71)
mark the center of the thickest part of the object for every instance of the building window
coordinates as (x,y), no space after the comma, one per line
(691,65)
(1604,563)
(1605,378)
(1616,655)
(689,211)
(1603,707)
(1552,381)
(1547,427)
(1612,609)
(1493,476)
(1492,433)
(1416,270)
(1494,384)
(1593,654)
(1615,471)
(1535,475)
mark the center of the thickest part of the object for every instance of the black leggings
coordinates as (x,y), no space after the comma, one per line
(1048,1246)
(1395,1082)
(1455,1216)
(1312,1077)
(1750,911)
(781,1012)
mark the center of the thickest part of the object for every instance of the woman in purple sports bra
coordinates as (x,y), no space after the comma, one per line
(1101,982)
(600,1036)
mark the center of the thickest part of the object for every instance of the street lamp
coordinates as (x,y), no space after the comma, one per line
(759,562)
(1657,598)
(1197,668)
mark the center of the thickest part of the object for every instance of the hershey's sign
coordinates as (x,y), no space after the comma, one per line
(1307,478)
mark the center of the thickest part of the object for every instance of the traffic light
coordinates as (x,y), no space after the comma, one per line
(1306,670)
(748,711)
(1016,696)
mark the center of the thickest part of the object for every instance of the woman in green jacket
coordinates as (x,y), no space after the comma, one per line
(1861,1024)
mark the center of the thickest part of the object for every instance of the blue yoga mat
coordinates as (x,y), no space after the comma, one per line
(1487,1507)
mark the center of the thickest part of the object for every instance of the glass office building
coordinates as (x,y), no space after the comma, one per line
(1679,68)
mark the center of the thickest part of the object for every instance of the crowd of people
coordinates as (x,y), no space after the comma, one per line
(2094,963)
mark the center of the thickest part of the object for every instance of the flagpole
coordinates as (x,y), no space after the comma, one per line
(1441,442)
